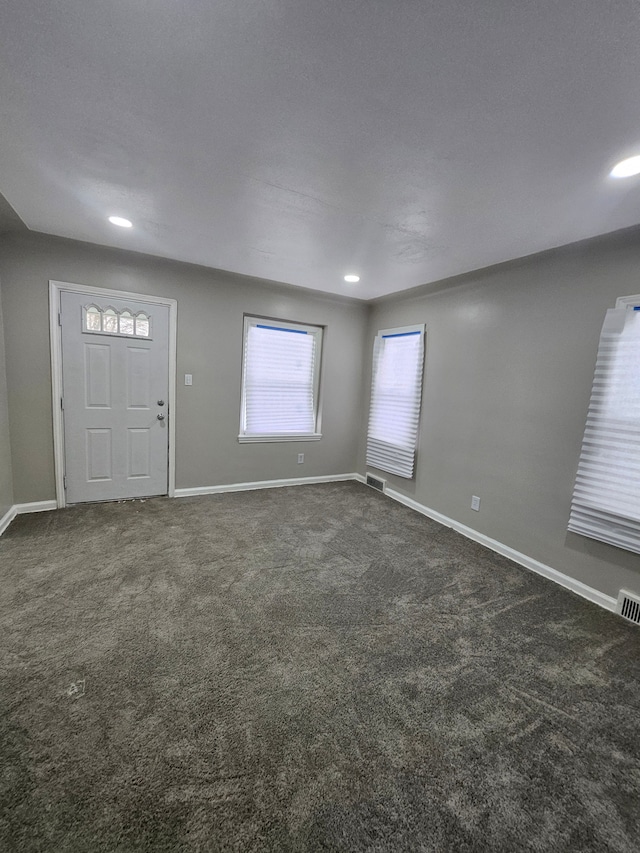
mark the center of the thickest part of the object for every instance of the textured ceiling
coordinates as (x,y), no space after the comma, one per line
(297,141)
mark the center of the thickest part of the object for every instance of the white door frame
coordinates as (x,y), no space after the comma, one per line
(55,290)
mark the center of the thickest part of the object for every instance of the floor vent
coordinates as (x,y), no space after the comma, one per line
(376,482)
(629,606)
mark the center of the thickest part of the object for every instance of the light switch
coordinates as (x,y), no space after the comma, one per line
(188,379)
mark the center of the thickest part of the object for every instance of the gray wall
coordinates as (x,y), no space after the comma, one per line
(6,480)
(510,357)
(509,366)
(210,317)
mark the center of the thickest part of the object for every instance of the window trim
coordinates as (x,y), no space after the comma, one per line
(628,301)
(401,331)
(318,333)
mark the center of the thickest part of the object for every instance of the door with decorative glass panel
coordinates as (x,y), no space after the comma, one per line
(115,380)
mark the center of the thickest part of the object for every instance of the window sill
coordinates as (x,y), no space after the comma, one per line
(254,439)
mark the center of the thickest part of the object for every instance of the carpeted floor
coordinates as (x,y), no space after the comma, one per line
(304,669)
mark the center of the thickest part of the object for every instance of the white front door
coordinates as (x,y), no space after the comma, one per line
(115,381)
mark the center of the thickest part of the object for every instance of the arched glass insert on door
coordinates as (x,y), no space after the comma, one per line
(98,320)
(142,325)
(93,319)
(126,322)
(110,321)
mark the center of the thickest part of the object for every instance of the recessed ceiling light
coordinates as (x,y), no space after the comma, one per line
(352,278)
(118,220)
(626,168)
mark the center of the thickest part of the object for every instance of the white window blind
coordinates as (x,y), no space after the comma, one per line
(606,498)
(280,380)
(396,395)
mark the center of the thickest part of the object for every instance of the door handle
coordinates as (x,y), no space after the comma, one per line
(160,416)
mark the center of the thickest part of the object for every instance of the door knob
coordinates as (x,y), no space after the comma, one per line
(161,402)
(160,416)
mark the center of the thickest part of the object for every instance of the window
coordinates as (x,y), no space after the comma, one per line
(126,323)
(93,319)
(280,381)
(606,497)
(108,321)
(396,395)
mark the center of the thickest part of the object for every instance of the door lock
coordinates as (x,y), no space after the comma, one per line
(161,402)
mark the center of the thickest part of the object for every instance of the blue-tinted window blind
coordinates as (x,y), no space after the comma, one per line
(279,381)
(396,396)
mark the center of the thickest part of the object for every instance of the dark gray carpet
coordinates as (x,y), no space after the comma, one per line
(303,669)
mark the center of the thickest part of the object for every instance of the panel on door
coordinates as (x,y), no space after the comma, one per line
(97,376)
(139,460)
(115,370)
(99,459)
(139,378)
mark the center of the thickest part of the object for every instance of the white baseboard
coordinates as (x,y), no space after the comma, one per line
(566,581)
(35,506)
(21,509)
(265,484)
(7,518)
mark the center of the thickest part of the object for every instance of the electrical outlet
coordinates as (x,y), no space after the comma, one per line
(475,503)
(300,458)
(188,379)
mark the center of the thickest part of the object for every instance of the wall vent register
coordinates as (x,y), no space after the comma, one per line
(376,482)
(108,321)
(628,606)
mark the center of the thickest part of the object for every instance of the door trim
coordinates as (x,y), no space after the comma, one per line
(56,288)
